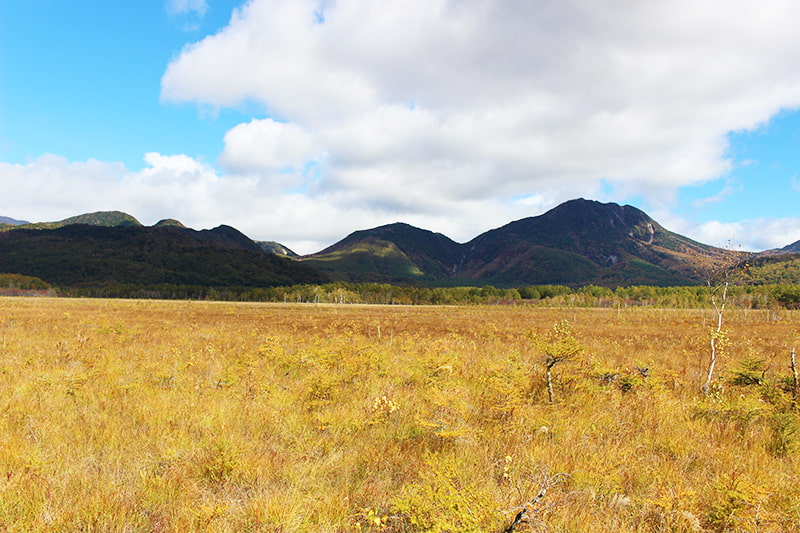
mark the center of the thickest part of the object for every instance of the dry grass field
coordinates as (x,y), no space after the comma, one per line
(132,416)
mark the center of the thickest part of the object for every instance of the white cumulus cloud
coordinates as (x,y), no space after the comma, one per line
(423,106)
(267,146)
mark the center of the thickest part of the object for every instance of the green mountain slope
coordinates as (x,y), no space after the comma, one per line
(100,218)
(169,222)
(774,268)
(395,253)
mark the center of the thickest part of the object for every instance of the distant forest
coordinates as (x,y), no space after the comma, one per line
(744,296)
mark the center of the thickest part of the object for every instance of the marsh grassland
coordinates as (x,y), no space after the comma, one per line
(187,416)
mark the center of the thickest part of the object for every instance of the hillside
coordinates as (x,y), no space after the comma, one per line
(793,248)
(99,218)
(578,242)
(84,255)
(779,265)
(170,222)
(395,253)
(774,268)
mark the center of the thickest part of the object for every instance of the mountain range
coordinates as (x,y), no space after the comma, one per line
(576,243)
(112,248)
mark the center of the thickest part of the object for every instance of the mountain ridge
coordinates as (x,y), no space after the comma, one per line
(793,248)
(97,218)
(12,221)
(578,242)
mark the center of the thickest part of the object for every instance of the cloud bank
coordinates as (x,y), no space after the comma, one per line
(462,116)
(181,187)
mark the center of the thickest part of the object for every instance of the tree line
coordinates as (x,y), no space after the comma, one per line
(744,296)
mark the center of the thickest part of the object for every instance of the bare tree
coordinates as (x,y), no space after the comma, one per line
(719,272)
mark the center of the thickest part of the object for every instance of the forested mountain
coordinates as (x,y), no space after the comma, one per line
(395,253)
(578,242)
(84,255)
(774,268)
(780,265)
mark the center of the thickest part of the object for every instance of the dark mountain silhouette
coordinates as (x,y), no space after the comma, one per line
(92,255)
(225,236)
(578,242)
(583,240)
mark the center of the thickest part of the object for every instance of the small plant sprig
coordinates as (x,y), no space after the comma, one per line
(558,346)
(383,407)
(793,368)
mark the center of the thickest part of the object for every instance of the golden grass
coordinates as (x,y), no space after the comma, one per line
(187,416)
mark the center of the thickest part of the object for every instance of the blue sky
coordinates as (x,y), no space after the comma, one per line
(764,180)
(82,79)
(303,120)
